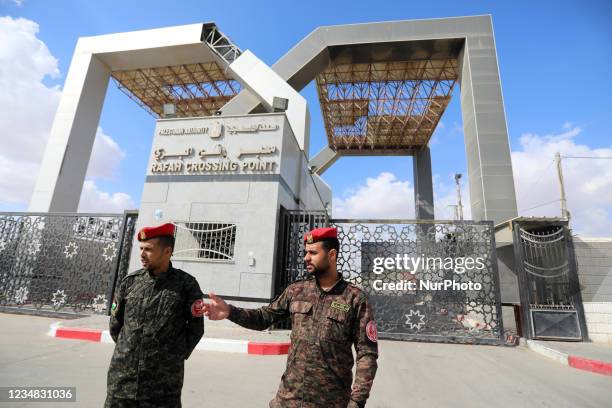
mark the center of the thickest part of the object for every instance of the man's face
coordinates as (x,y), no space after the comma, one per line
(317,259)
(153,254)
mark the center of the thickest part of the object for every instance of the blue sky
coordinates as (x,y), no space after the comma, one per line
(554,60)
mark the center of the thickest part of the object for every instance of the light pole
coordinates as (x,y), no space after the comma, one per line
(459,205)
(564,212)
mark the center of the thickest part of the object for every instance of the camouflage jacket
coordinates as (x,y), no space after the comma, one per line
(320,361)
(155,330)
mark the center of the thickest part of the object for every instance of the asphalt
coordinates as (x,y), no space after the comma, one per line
(592,351)
(409,374)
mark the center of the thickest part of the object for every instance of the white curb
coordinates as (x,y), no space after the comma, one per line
(205,344)
(223,345)
(548,352)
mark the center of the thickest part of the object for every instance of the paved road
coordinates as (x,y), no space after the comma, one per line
(410,374)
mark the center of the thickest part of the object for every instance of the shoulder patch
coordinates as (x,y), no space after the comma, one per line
(197,308)
(371,331)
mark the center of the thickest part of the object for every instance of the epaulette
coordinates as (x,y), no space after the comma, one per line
(297,282)
(134,273)
(305,279)
(353,285)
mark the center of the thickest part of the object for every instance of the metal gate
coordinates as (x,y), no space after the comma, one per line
(548,280)
(62,262)
(445,289)
(290,252)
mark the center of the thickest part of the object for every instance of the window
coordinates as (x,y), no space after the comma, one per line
(205,241)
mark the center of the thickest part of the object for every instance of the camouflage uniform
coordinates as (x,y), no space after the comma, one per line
(155,330)
(320,361)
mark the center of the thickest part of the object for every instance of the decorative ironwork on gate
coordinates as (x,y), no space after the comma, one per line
(63,262)
(548,279)
(290,252)
(445,289)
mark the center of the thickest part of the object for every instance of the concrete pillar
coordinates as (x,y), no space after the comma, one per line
(323,160)
(62,173)
(423,185)
(492,194)
(262,81)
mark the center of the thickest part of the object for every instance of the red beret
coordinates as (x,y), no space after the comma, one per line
(320,234)
(153,232)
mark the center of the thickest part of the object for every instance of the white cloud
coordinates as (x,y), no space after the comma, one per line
(457,128)
(28,106)
(588,182)
(16,180)
(27,110)
(95,200)
(106,157)
(385,196)
(588,185)
(382,197)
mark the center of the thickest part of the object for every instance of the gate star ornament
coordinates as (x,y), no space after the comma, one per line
(109,252)
(99,304)
(70,250)
(59,298)
(418,317)
(21,295)
(34,247)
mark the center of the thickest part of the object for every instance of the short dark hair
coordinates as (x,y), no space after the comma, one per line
(166,241)
(330,243)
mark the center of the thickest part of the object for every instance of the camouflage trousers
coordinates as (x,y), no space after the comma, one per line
(172,402)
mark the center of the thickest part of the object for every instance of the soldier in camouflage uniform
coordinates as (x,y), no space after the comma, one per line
(328,315)
(156,321)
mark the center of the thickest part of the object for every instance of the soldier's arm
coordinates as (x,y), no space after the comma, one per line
(195,320)
(366,347)
(118,310)
(264,317)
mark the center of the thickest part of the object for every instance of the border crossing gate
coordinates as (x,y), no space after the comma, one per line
(441,284)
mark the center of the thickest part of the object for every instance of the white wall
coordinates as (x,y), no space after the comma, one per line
(594,259)
(249,199)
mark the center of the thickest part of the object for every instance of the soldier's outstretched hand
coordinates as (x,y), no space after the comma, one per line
(217,309)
